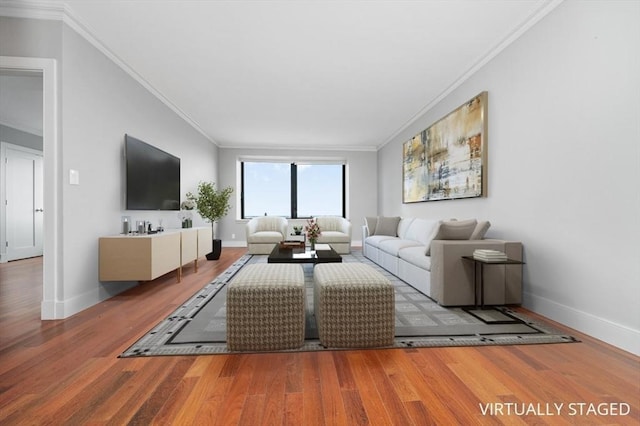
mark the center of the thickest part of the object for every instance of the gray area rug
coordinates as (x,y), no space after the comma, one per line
(198,327)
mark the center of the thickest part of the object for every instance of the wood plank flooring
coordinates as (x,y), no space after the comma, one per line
(67,372)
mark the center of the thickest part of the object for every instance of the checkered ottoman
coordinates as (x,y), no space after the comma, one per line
(266,308)
(354,306)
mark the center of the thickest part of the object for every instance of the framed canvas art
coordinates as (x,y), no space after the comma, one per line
(448,160)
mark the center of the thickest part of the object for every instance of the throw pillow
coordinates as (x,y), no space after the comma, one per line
(454,230)
(387,226)
(481,230)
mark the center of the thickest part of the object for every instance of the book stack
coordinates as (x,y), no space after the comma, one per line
(289,244)
(489,255)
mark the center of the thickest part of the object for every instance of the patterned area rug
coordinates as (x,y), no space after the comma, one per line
(198,327)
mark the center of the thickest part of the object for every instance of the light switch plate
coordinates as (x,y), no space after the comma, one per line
(74,177)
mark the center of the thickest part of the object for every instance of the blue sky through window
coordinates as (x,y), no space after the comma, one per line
(267,189)
(319,190)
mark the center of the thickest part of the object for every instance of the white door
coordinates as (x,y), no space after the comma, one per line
(24,202)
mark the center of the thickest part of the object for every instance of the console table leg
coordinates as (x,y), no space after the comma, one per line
(481,286)
(475,284)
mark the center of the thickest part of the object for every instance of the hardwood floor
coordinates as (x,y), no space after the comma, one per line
(68,372)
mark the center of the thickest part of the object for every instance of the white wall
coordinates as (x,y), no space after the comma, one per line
(361,187)
(564,165)
(98,104)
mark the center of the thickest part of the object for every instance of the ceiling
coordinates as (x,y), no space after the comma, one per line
(308,73)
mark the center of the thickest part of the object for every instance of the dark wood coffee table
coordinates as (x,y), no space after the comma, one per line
(299,255)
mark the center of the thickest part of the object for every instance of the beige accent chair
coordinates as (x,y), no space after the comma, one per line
(264,232)
(335,231)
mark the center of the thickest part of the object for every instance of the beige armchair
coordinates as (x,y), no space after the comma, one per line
(264,232)
(335,231)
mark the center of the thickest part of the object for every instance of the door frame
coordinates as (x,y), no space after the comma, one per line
(52,306)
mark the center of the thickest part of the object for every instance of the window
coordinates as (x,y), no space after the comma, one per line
(266,189)
(294,190)
(320,190)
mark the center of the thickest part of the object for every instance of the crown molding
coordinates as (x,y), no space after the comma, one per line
(21,127)
(58,11)
(33,9)
(301,148)
(533,19)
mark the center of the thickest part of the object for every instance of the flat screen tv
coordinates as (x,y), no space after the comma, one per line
(152,175)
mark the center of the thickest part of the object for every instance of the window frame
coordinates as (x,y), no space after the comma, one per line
(293,172)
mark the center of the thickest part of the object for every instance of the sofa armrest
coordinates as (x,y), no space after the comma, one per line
(251,227)
(346,227)
(365,233)
(452,277)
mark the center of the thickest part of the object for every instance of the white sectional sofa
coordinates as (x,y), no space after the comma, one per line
(427,254)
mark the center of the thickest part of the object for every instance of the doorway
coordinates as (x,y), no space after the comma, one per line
(52,306)
(21,151)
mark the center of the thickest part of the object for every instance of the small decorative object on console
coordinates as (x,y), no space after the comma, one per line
(126,225)
(186,215)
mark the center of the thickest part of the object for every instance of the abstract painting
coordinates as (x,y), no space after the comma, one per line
(448,160)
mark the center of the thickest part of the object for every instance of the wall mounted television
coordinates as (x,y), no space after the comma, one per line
(152,177)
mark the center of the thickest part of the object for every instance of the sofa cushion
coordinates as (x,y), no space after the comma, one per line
(415,256)
(454,230)
(395,245)
(387,226)
(481,229)
(403,226)
(375,240)
(422,230)
(334,237)
(265,237)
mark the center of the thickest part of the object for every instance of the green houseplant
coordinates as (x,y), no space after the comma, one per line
(212,204)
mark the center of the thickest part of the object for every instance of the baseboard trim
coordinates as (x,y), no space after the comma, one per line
(49,308)
(618,335)
(53,310)
(234,243)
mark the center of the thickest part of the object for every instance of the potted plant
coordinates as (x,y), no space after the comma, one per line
(212,204)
